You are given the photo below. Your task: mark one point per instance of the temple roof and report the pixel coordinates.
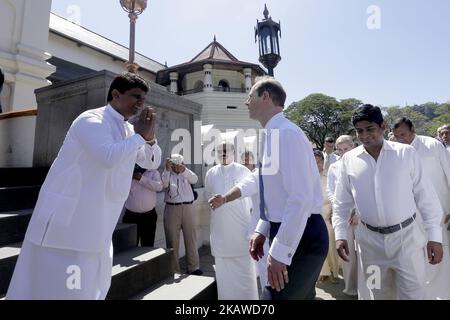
(214, 54)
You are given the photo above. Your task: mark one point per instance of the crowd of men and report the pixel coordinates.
(383, 207)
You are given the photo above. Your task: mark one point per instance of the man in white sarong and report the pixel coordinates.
(67, 251)
(436, 163)
(235, 271)
(248, 187)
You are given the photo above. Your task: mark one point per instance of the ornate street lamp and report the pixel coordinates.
(134, 8)
(269, 49)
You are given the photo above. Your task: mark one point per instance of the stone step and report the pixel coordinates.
(124, 238)
(8, 259)
(16, 177)
(13, 226)
(137, 269)
(18, 198)
(181, 287)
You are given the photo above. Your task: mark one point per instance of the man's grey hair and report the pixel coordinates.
(345, 139)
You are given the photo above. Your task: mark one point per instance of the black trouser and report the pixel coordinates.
(307, 261)
(146, 226)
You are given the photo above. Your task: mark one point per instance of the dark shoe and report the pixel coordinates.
(197, 272)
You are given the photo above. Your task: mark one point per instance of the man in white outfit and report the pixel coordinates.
(248, 187)
(385, 181)
(345, 143)
(436, 163)
(67, 251)
(235, 272)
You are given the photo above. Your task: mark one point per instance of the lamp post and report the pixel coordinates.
(269, 48)
(134, 8)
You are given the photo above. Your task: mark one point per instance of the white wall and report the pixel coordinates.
(17, 141)
(23, 55)
(215, 110)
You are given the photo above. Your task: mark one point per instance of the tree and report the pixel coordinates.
(319, 115)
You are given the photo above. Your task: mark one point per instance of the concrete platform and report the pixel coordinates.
(181, 287)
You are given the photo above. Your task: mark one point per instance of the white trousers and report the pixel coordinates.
(349, 269)
(43, 273)
(393, 264)
(438, 275)
(236, 278)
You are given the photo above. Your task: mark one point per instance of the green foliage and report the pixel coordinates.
(319, 115)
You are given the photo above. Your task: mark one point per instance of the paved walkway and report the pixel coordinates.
(324, 290)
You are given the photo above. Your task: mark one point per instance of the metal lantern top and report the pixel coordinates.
(134, 6)
(266, 32)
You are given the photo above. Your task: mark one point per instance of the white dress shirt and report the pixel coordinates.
(332, 177)
(249, 188)
(292, 186)
(86, 187)
(436, 162)
(178, 186)
(385, 192)
(229, 223)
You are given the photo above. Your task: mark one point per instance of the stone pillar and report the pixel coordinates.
(248, 79)
(173, 82)
(207, 82)
(23, 48)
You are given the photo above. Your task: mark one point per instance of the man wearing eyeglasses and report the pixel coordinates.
(235, 272)
(67, 251)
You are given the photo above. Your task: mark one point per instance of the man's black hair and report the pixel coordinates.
(403, 120)
(318, 153)
(367, 112)
(127, 81)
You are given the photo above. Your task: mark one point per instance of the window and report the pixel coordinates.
(223, 85)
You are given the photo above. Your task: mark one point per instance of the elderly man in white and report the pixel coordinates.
(248, 187)
(436, 162)
(345, 143)
(386, 182)
(70, 232)
(235, 272)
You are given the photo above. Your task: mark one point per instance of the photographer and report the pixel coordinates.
(179, 211)
(140, 205)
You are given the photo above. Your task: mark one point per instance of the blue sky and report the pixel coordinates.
(326, 46)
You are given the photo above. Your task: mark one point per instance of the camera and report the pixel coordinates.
(138, 169)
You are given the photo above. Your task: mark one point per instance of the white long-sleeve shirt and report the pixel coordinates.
(292, 186)
(229, 223)
(385, 192)
(87, 185)
(249, 187)
(178, 186)
(332, 177)
(436, 162)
